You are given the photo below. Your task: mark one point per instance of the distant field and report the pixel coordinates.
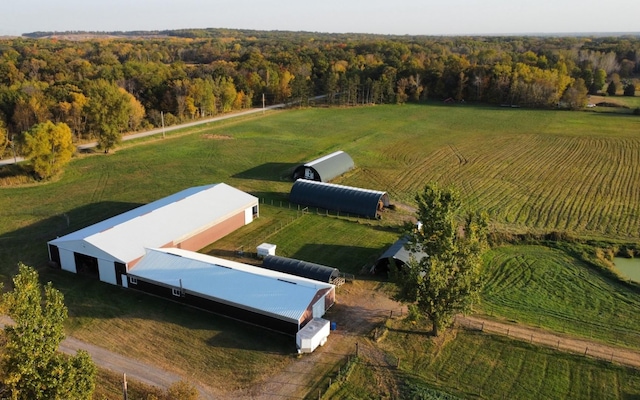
(533, 170)
(540, 286)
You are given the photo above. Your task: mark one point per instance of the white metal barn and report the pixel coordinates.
(190, 219)
(271, 299)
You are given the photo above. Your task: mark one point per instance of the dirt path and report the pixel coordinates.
(553, 340)
(358, 311)
(135, 370)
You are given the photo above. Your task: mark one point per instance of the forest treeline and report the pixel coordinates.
(103, 87)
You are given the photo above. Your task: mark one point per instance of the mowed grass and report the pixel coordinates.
(540, 286)
(533, 170)
(352, 245)
(475, 365)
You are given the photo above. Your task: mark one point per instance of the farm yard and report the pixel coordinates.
(534, 171)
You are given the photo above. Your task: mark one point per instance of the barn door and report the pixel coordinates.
(308, 174)
(121, 274)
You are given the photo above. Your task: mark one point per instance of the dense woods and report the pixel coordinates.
(101, 86)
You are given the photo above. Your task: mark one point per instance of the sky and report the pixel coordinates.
(393, 17)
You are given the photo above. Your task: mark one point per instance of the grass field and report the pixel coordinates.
(533, 170)
(476, 365)
(540, 286)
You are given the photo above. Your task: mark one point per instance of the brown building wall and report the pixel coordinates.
(329, 300)
(212, 234)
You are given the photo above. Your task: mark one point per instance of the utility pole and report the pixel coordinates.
(162, 118)
(124, 386)
(13, 147)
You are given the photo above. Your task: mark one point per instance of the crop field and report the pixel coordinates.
(540, 286)
(476, 365)
(532, 170)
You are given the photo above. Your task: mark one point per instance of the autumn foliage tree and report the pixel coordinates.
(447, 280)
(32, 367)
(49, 147)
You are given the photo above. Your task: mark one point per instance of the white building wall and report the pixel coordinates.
(318, 308)
(248, 215)
(67, 260)
(107, 271)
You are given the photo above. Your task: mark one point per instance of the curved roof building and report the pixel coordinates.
(398, 253)
(301, 268)
(345, 199)
(325, 168)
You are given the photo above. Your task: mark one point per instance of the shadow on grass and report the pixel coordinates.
(29, 243)
(272, 171)
(348, 259)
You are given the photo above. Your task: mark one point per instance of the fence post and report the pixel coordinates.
(482, 328)
(585, 351)
(531, 341)
(508, 329)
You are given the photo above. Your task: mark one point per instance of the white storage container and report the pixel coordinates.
(313, 334)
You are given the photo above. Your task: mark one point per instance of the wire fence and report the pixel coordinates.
(556, 341)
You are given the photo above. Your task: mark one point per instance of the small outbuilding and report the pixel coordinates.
(325, 168)
(270, 299)
(345, 199)
(266, 249)
(190, 219)
(301, 268)
(399, 254)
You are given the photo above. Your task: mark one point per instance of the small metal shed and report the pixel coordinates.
(301, 268)
(397, 252)
(325, 168)
(266, 249)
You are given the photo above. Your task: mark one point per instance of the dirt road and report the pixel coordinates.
(359, 310)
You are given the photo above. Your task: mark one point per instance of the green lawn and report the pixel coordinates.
(539, 286)
(533, 170)
(476, 365)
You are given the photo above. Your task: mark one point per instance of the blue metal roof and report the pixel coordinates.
(253, 288)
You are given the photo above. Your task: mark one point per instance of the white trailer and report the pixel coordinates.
(313, 334)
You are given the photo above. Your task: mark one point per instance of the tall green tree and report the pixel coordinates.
(108, 112)
(447, 280)
(32, 367)
(49, 147)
